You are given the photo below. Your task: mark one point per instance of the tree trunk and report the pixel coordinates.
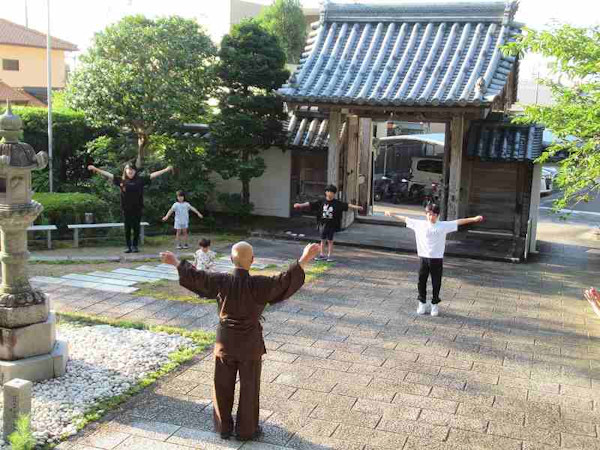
(143, 142)
(246, 192)
(245, 181)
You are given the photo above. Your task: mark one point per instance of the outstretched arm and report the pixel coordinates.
(358, 207)
(396, 216)
(168, 215)
(469, 220)
(104, 173)
(308, 254)
(301, 205)
(196, 211)
(158, 173)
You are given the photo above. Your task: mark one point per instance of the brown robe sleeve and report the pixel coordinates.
(279, 287)
(200, 282)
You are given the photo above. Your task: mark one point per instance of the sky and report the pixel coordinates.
(76, 21)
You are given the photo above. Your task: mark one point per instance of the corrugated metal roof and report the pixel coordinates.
(503, 141)
(411, 53)
(14, 34)
(426, 138)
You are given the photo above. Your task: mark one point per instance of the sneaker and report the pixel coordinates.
(186, 246)
(320, 258)
(135, 249)
(435, 310)
(179, 247)
(422, 309)
(128, 250)
(330, 260)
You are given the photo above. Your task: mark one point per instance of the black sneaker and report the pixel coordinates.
(226, 435)
(128, 250)
(135, 249)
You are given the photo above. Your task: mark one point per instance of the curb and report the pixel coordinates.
(308, 239)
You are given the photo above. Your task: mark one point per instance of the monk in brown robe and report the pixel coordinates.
(239, 345)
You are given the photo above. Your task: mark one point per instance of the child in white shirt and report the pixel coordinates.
(431, 245)
(205, 257)
(182, 209)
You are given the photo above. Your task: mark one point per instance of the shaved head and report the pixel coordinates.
(242, 255)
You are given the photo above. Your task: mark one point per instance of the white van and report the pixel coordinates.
(426, 170)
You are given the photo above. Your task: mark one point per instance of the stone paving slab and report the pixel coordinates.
(115, 281)
(512, 362)
(122, 276)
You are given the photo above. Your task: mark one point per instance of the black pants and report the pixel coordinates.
(435, 267)
(132, 221)
(226, 369)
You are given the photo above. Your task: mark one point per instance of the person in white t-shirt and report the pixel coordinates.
(182, 209)
(431, 245)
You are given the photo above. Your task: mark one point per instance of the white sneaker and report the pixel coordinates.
(435, 311)
(422, 309)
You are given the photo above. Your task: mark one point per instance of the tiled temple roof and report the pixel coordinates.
(502, 141)
(308, 129)
(424, 53)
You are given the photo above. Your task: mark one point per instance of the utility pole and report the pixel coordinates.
(49, 93)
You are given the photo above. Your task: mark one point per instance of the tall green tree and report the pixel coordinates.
(575, 53)
(251, 66)
(144, 75)
(285, 19)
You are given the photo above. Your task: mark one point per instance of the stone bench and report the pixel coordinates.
(81, 226)
(47, 228)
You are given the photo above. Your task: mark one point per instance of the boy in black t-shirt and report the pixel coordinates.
(329, 218)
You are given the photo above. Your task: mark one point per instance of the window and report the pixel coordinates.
(428, 165)
(10, 64)
(2, 185)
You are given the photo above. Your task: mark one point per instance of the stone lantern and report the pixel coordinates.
(28, 346)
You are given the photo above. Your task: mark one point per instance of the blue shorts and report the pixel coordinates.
(327, 232)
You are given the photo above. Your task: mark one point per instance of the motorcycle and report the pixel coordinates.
(431, 194)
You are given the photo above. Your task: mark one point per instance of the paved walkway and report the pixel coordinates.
(123, 280)
(512, 362)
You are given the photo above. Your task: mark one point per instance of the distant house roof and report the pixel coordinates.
(406, 54)
(14, 34)
(17, 96)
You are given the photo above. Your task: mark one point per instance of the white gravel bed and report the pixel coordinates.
(104, 361)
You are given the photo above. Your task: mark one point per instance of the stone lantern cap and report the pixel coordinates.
(12, 152)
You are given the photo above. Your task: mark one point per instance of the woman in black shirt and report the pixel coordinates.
(131, 184)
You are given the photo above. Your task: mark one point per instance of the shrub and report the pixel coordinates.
(234, 206)
(22, 438)
(62, 209)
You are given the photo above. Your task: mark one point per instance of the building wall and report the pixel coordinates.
(223, 14)
(32, 67)
(269, 193)
(241, 10)
(216, 19)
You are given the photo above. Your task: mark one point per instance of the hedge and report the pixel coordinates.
(62, 209)
(70, 135)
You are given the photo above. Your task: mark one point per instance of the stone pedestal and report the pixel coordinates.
(37, 368)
